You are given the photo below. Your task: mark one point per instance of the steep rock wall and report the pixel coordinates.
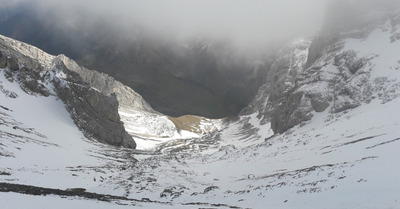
(94, 112)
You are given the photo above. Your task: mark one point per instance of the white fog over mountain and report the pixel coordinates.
(246, 22)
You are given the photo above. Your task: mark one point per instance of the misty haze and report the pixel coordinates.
(199, 104)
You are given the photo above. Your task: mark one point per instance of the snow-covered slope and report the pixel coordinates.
(41, 146)
(47, 137)
(342, 155)
(335, 143)
(38, 138)
(327, 163)
(339, 161)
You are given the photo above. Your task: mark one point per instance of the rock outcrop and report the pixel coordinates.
(91, 98)
(107, 85)
(95, 113)
(277, 100)
(335, 72)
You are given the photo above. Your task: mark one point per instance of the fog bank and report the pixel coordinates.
(253, 22)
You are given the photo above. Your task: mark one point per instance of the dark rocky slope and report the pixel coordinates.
(40, 74)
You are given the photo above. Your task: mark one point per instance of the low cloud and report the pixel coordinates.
(246, 22)
(252, 22)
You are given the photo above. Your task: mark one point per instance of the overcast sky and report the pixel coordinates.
(245, 21)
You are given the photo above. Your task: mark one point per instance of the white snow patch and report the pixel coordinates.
(386, 62)
(150, 130)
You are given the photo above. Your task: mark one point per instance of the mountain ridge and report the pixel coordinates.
(38, 73)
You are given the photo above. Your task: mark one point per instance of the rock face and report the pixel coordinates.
(91, 98)
(107, 85)
(96, 114)
(277, 100)
(334, 72)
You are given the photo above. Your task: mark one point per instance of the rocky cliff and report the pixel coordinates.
(336, 71)
(107, 85)
(277, 100)
(91, 98)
